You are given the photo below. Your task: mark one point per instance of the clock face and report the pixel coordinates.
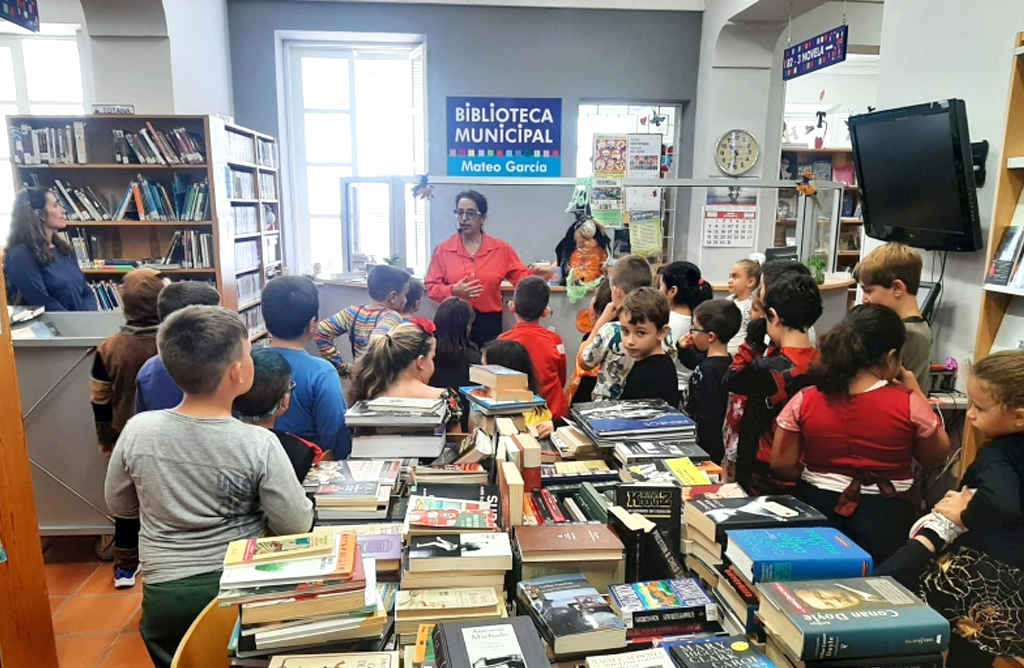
(736, 152)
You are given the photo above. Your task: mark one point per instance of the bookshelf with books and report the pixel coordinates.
(189, 195)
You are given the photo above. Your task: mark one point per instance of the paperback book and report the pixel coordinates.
(628, 452)
(718, 652)
(490, 643)
(466, 551)
(620, 419)
(713, 517)
(571, 615)
(663, 607)
(795, 553)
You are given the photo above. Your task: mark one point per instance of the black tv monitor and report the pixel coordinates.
(916, 174)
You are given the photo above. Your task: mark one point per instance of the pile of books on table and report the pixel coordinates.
(353, 490)
(308, 591)
(608, 423)
(397, 428)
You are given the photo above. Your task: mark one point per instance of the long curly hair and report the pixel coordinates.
(28, 229)
(862, 340)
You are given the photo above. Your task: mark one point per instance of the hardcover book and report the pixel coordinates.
(611, 419)
(738, 595)
(466, 551)
(490, 643)
(663, 607)
(850, 618)
(777, 653)
(498, 377)
(795, 553)
(571, 615)
(713, 517)
(661, 504)
(717, 652)
(629, 452)
(586, 542)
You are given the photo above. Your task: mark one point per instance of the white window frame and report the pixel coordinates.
(290, 47)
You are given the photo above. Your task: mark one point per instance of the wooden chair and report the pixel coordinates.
(205, 644)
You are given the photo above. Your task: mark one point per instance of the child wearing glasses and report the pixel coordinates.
(267, 400)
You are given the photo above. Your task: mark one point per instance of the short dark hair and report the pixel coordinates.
(478, 199)
(531, 298)
(646, 305)
(415, 293)
(796, 299)
(862, 340)
(270, 381)
(691, 289)
(631, 272)
(720, 316)
(177, 296)
(384, 279)
(289, 303)
(197, 344)
(513, 355)
(774, 270)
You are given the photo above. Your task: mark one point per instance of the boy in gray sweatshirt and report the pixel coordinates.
(197, 478)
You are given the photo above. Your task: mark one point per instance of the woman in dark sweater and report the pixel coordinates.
(40, 266)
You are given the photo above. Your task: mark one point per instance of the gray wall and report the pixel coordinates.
(494, 51)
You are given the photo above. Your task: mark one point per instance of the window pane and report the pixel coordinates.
(7, 91)
(324, 187)
(325, 83)
(370, 219)
(52, 70)
(58, 109)
(325, 244)
(384, 109)
(5, 147)
(328, 138)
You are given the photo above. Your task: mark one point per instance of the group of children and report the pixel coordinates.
(836, 422)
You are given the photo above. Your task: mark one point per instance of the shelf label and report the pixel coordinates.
(504, 136)
(816, 53)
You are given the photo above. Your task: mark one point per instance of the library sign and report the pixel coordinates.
(816, 53)
(504, 136)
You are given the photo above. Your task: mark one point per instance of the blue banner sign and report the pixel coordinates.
(23, 12)
(504, 136)
(816, 53)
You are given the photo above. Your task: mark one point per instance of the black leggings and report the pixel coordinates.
(126, 543)
(879, 525)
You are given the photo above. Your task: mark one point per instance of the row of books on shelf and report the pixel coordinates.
(1006, 268)
(268, 186)
(55, 145)
(253, 320)
(247, 255)
(248, 288)
(267, 153)
(240, 148)
(246, 220)
(142, 200)
(108, 295)
(150, 146)
(240, 185)
(191, 249)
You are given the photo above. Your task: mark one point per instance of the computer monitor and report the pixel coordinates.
(780, 253)
(927, 295)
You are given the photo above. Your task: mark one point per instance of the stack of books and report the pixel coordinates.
(663, 607)
(490, 643)
(608, 423)
(396, 427)
(499, 391)
(415, 607)
(572, 617)
(352, 490)
(472, 474)
(592, 550)
(312, 590)
(569, 502)
(828, 622)
(451, 560)
(633, 452)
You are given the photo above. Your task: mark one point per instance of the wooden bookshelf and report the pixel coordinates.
(229, 150)
(996, 300)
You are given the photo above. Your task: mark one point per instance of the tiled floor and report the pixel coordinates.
(96, 625)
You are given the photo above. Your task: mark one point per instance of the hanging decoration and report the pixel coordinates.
(422, 189)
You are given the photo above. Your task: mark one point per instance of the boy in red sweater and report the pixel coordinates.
(530, 304)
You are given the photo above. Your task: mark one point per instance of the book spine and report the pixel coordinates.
(80, 142)
(916, 630)
(781, 570)
(657, 631)
(929, 661)
(552, 503)
(667, 556)
(651, 620)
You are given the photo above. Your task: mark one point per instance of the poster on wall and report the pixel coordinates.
(644, 156)
(643, 216)
(504, 136)
(815, 53)
(606, 202)
(610, 154)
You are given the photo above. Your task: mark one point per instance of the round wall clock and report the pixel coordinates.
(736, 152)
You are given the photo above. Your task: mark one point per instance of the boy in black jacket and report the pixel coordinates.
(715, 322)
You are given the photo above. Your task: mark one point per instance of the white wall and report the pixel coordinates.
(200, 57)
(934, 49)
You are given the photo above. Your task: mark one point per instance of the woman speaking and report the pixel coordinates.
(40, 266)
(471, 266)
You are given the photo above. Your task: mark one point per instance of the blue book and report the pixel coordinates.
(850, 618)
(716, 652)
(477, 395)
(798, 553)
(608, 419)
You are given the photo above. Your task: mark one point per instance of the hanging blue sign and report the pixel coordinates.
(504, 136)
(23, 12)
(816, 53)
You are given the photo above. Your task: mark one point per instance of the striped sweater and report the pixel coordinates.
(360, 322)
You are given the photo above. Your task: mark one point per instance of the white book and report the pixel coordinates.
(286, 572)
(459, 551)
(80, 142)
(405, 404)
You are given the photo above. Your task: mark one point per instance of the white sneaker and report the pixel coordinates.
(946, 528)
(124, 578)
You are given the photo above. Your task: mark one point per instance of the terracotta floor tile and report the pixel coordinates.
(55, 603)
(64, 579)
(128, 652)
(83, 651)
(133, 623)
(96, 614)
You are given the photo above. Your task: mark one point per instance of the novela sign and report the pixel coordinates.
(504, 136)
(816, 53)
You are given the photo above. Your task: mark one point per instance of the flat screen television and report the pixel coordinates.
(915, 171)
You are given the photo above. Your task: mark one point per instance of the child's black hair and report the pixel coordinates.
(861, 341)
(384, 279)
(646, 305)
(796, 299)
(602, 297)
(774, 270)
(512, 355)
(691, 289)
(271, 377)
(289, 303)
(719, 316)
(452, 319)
(531, 298)
(414, 296)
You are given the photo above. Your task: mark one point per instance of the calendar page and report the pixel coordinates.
(730, 225)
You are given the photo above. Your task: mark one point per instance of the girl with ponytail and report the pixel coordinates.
(400, 364)
(851, 438)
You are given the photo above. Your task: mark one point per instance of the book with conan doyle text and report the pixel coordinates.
(795, 553)
(850, 618)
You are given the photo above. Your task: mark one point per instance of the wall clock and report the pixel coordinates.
(736, 152)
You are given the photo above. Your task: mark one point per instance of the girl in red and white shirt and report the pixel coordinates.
(851, 439)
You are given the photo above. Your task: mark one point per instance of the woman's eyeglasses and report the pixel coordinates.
(459, 213)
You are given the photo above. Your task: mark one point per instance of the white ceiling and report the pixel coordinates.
(651, 5)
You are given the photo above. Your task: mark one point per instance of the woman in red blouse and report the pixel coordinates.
(471, 266)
